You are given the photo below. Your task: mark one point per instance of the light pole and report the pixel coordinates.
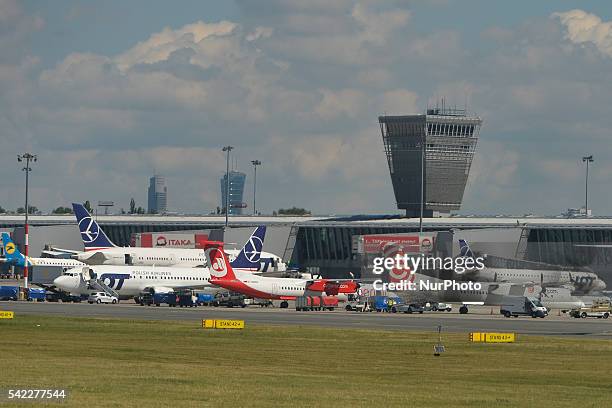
(255, 164)
(587, 160)
(422, 183)
(28, 157)
(227, 149)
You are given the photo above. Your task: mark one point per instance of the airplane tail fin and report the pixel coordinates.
(11, 252)
(464, 249)
(250, 254)
(92, 235)
(218, 264)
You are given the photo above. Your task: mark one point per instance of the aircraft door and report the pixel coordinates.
(129, 258)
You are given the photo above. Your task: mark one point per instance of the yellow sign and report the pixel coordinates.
(6, 315)
(9, 248)
(492, 337)
(222, 324)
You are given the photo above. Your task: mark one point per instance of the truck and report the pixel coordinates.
(229, 300)
(9, 292)
(169, 298)
(305, 303)
(385, 303)
(36, 294)
(514, 306)
(205, 299)
(258, 302)
(52, 296)
(601, 310)
(358, 304)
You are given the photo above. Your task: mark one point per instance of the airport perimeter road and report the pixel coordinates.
(552, 325)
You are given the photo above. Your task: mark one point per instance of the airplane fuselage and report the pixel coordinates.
(130, 281)
(582, 282)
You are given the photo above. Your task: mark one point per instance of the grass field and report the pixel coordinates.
(108, 362)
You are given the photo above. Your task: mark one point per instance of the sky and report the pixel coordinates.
(108, 93)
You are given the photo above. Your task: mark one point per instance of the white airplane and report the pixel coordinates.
(131, 281)
(100, 250)
(578, 282)
(16, 258)
(224, 275)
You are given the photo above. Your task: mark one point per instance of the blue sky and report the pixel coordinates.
(108, 92)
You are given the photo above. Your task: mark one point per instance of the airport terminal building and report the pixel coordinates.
(325, 244)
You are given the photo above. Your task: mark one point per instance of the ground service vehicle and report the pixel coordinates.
(101, 297)
(442, 307)
(384, 303)
(316, 303)
(9, 292)
(601, 310)
(35, 294)
(63, 296)
(169, 298)
(187, 300)
(358, 305)
(522, 306)
(205, 299)
(411, 308)
(258, 302)
(229, 300)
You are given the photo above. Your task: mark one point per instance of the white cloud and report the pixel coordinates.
(399, 102)
(378, 26)
(160, 45)
(349, 102)
(582, 27)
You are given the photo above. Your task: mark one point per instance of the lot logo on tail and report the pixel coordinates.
(464, 249)
(92, 235)
(10, 248)
(89, 230)
(250, 254)
(252, 249)
(218, 268)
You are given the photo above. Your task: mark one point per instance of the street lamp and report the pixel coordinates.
(27, 157)
(255, 164)
(227, 149)
(587, 160)
(421, 209)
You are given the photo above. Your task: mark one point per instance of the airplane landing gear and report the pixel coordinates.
(284, 304)
(463, 309)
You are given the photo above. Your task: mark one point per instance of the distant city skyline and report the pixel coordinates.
(104, 99)
(237, 181)
(158, 195)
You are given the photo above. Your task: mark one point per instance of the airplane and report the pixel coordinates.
(100, 250)
(14, 257)
(489, 294)
(223, 274)
(131, 281)
(579, 282)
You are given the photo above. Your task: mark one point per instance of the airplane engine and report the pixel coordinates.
(159, 289)
(334, 288)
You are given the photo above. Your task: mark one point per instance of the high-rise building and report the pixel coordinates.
(437, 147)
(236, 185)
(158, 195)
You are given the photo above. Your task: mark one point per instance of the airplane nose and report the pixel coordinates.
(62, 282)
(599, 284)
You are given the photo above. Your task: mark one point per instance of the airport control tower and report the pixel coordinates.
(438, 148)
